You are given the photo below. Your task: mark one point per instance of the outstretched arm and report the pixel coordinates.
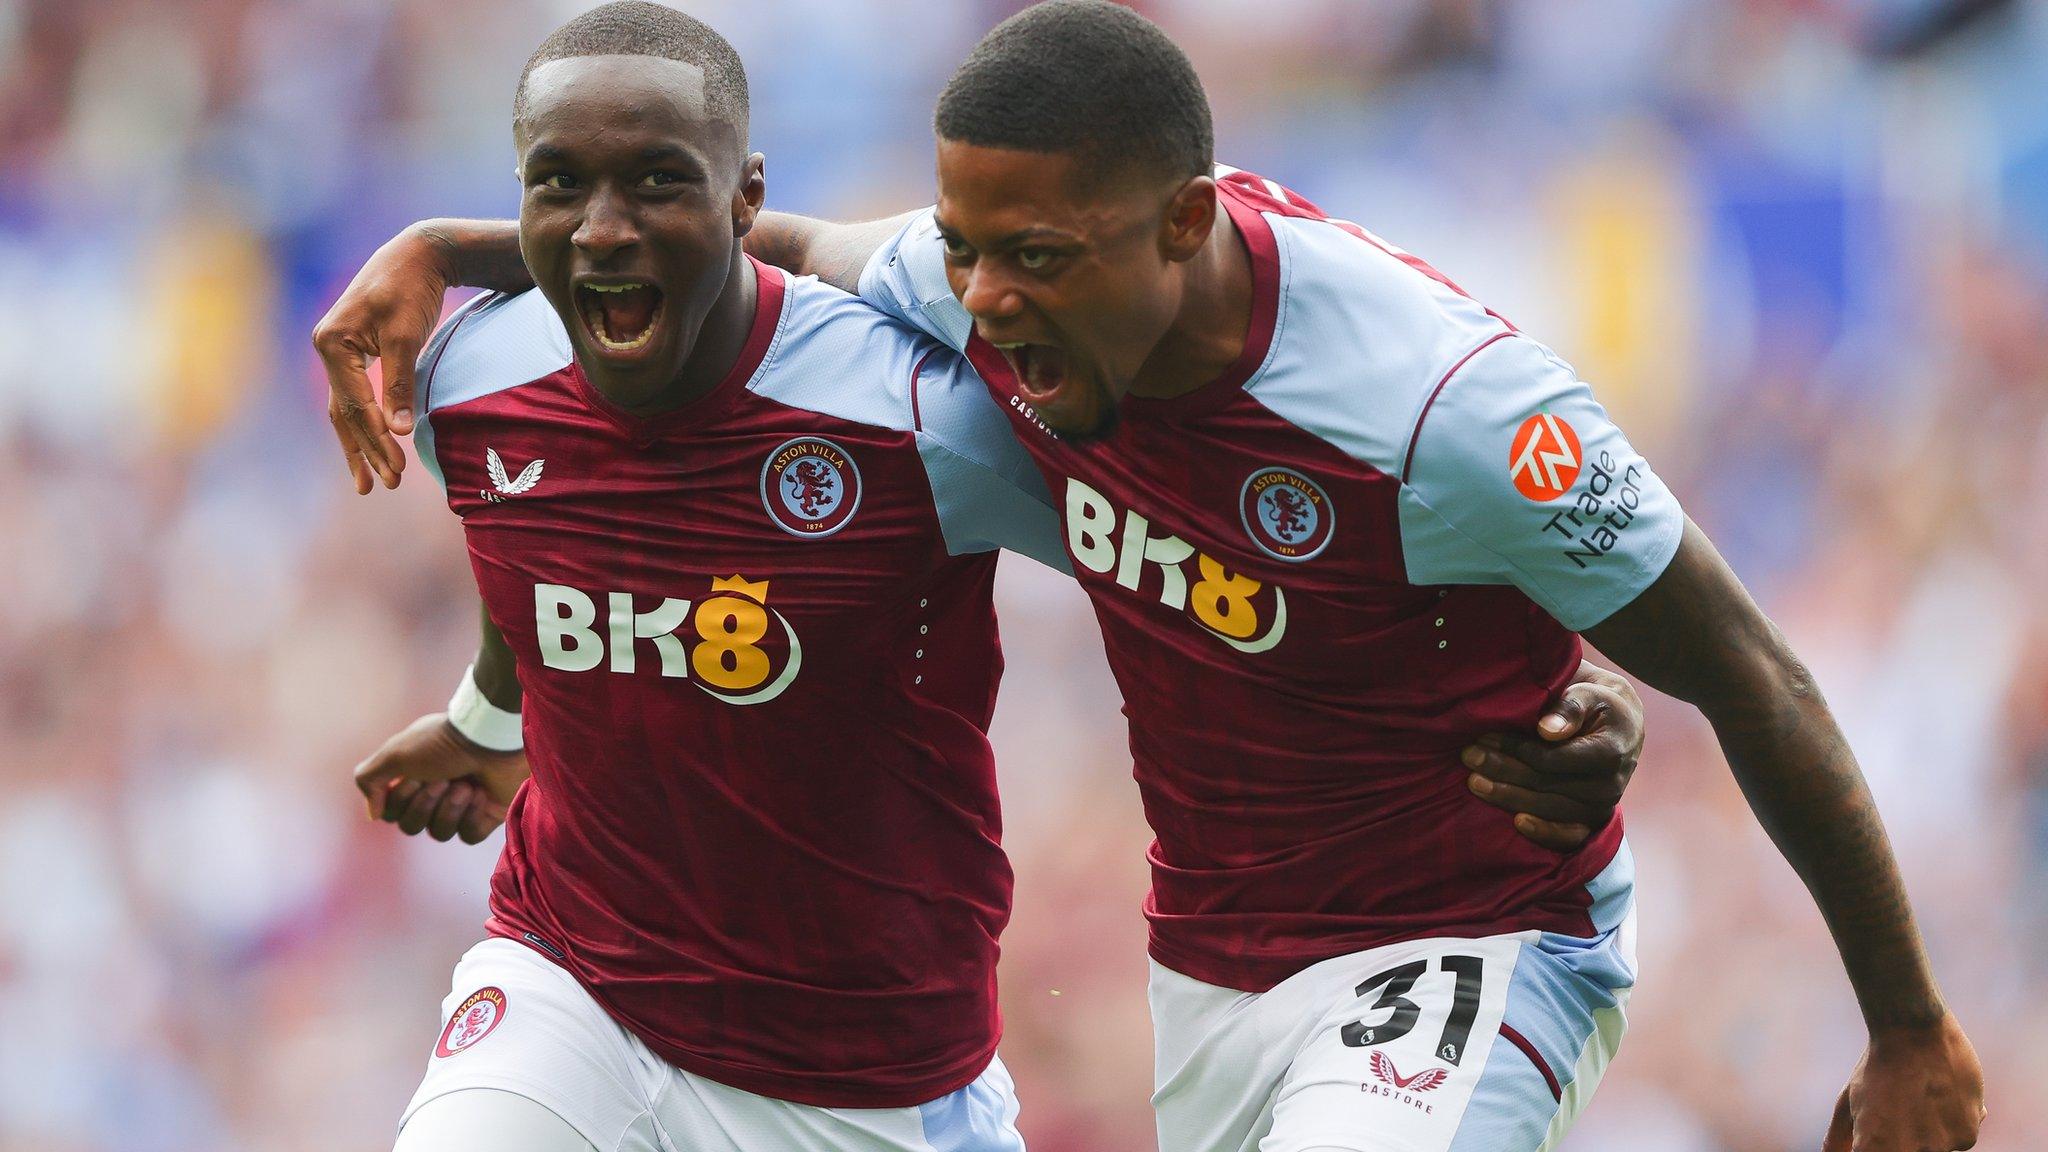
(1696, 634)
(834, 253)
(390, 308)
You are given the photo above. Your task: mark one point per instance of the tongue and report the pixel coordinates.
(1044, 370)
(627, 314)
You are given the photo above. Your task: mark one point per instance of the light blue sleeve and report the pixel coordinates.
(907, 279)
(1516, 475)
(988, 492)
(492, 342)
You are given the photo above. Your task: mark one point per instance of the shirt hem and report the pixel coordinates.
(1263, 973)
(813, 1089)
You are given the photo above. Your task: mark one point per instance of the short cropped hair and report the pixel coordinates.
(1083, 77)
(637, 28)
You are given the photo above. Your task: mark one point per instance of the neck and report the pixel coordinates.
(719, 341)
(1213, 323)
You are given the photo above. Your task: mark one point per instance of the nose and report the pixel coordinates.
(989, 296)
(607, 227)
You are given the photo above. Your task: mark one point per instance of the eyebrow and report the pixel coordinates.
(1037, 232)
(659, 152)
(652, 154)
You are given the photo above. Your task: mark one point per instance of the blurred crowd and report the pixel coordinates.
(1799, 246)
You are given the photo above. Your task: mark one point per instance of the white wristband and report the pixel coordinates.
(481, 722)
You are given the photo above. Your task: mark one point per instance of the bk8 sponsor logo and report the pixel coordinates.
(1244, 613)
(724, 657)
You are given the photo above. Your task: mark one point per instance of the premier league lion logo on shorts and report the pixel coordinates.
(810, 487)
(1287, 515)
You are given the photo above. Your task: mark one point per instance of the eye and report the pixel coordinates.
(560, 182)
(956, 248)
(660, 180)
(1034, 259)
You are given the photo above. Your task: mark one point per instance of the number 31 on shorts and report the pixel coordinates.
(1395, 983)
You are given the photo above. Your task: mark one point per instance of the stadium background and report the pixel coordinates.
(1797, 244)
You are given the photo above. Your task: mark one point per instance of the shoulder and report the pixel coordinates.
(1363, 332)
(839, 356)
(492, 343)
(906, 278)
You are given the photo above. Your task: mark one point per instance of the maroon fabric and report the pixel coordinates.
(1308, 800)
(1536, 1058)
(798, 897)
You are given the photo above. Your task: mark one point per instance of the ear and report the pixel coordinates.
(1190, 217)
(751, 194)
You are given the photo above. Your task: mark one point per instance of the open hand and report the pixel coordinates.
(388, 313)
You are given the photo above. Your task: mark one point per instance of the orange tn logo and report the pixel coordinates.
(1544, 459)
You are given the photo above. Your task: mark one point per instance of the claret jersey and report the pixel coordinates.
(1322, 574)
(759, 659)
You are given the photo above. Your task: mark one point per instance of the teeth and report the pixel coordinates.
(615, 287)
(615, 346)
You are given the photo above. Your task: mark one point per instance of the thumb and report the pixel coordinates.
(375, 779)
(1563, 719)
(398, 388)
(1842, 1129)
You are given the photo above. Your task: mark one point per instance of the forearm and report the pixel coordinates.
(497, 674)
(477, 253)
(1796, 770)
(834, 253)
(1697, 635)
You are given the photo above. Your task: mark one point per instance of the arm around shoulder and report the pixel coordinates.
(834, 253)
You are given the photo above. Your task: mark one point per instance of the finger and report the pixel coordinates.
(1566, 715)
(399, 799)
(1841, 1130)
(375, 783)
(358, 467)
(1545, 805)
(421, 808)
(483, 819)
(448, 815)
(1601, 784)
(352, 404)
(1554, 836)
(1600, 750)
(399, 360)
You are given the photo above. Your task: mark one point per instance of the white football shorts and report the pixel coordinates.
(1440, 1045)
(517, 1023)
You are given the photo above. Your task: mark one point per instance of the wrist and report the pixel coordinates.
(482, 723)
(1915, 1020)
(436, 243)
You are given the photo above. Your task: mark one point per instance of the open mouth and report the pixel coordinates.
(620, 317)
(1041, 370)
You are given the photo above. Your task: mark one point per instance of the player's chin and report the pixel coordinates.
(1080, 412)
